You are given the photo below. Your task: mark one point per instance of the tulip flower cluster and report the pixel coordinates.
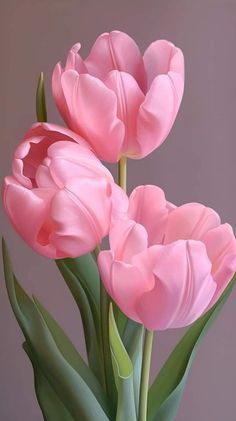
(167, 265)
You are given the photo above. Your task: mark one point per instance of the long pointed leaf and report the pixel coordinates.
(69, 386)
(51, 406)
(90, 330)
(166, 391)
(86, 271)
(123, 372)
(71, 354)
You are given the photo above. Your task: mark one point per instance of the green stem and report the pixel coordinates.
(108, 380)
(147, 353)
(104, 304)
(122, 172)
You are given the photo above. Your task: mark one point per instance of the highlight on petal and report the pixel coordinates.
(116, 51)
(190, 221)
(220, 243)
(93, 111)
(183, 286)
(148, 207)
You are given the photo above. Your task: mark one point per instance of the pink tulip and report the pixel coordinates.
(121, 102)
(167, 265)
(60, 196)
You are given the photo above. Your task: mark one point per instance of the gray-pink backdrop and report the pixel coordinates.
(196, 163)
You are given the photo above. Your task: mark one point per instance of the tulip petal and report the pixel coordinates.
(183, 287)
(162, 57)
(190, 221)
(116, 51)
(28, 212)
(74, 61)
(129, 98)
(127, 238)
(127, 286)
(68, 160)
(93, 111)
(58, 94)
(157, 114)
(34, 148)
(120, 203)
(148, 207)
(54, 132)
(105, 261)
(221, 249)
(86, 204)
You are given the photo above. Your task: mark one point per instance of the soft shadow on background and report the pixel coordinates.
(196, 163)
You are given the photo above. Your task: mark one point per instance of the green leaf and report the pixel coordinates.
(121, 358)
(166, 391)
(133, 342)
(123, 372)
(51, 406)
(41, 110)
(71, 354)
(67, 383)
(120, 318)
(91, 330)
(85, 269)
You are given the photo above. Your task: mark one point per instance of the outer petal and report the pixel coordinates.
(74, 61)
(148, 206)
(29, 213)
(157, 113)
(127, 286)
(221, 249)
(58, 94)
(127, 238)
(105, 261)
(34, 148)
(67, 160)
(120, 203)
(93, 112)
(116, 51)
(162, 57)
(81, 215)
(190, 221)
(129, 98)
(55, 132)
(164, 66)
(183, 288)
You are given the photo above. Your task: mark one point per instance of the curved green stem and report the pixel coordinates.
(122, 172)
(147, 353)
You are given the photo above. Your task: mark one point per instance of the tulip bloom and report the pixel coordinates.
(121, 102)
(60, 196)
(167, 265)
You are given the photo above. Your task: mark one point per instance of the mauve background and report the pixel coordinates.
(196, 163)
